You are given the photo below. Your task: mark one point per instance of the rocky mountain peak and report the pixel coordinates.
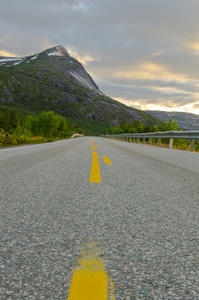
(57, 51)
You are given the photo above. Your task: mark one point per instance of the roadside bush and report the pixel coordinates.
(182, 144)
(196, 147)
(5, 138)
(2, 136)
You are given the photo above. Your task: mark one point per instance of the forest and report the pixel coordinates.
(15, 128)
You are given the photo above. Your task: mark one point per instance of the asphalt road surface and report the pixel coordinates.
(140, 220)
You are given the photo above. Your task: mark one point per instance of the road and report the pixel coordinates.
(139, 224)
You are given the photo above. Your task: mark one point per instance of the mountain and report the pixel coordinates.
(53, 80)
(187, 121)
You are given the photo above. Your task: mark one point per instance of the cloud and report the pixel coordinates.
(5, 53)
(136, 50)
(83, 59)
(194, 46)
(148, 70)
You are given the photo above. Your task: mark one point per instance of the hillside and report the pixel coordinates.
(53, 80)
(187, 121)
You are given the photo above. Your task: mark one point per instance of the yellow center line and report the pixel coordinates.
(107, 160)
(90, 280)
(93, 147)
(95, 169)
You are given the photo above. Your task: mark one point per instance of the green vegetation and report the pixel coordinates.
(138, 127)
(15, 128)
(90, 126)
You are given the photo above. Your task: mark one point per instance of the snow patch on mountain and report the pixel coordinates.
(54, 54)
(57, 51)
(34, 57)
(17, 63)
(9, 59)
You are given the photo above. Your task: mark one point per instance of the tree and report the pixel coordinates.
(35, 125)
(18, 129)
(63, 127)
(139, 125)
(49, 123)
(27, 126)
(118, 130)
(132, 130)
(171, 126)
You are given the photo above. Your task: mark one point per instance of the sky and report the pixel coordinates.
(143, 53)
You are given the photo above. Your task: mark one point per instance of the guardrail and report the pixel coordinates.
(77, 135)
(188, 135)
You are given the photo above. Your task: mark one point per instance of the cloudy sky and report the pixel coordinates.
(144, 53)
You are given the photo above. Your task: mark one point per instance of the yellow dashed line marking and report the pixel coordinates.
(93, 147)
(107, 160)
(97, 146)
(90, 281)
(111, 289)
(95, 169)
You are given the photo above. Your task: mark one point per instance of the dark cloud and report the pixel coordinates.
(141, 49)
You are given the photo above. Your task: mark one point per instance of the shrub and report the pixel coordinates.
(2, 136)
(5, 138)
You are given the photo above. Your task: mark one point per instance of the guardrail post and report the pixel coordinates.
(192, 145)
(171, 143)
(134, 139)
(159, 142)
(138, 140)
(150, 141)
(144, 140)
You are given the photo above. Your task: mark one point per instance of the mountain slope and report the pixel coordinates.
(187, 121)
(53, 80)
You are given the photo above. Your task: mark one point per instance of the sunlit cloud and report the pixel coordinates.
(156, 53)
(139, 104)
(169, 90)
(194, 46)
(130, 103)
(85, 59)
(6, 53)
(150, 71)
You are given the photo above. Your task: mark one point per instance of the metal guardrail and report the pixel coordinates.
(188, 135)
(77, 135)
